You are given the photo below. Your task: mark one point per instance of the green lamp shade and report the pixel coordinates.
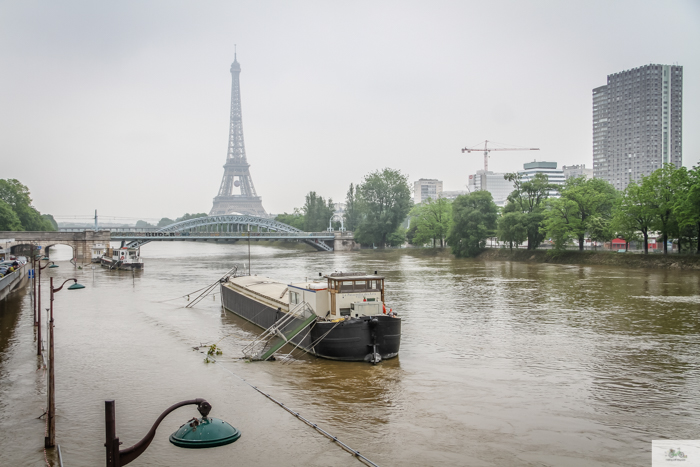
(204, 433)
(53, 266)
(45, 257)
(76, 286)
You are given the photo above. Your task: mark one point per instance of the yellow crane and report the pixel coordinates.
(487, 150)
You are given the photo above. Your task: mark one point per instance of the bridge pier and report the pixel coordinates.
(81, 242)
(344, 241)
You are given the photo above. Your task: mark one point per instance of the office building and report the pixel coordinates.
(426, 188)
(554, 175)
(573, 171)
(494, 183)
(637, 123)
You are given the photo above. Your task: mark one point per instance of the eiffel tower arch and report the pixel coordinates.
(237, 194)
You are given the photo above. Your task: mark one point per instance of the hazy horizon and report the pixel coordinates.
(124, 108)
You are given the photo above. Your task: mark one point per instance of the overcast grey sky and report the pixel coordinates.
(124, 106)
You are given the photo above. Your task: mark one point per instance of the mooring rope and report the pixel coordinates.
(335, 439)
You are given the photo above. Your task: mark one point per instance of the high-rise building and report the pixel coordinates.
(637, 123)
(426, 188)
(573, 171)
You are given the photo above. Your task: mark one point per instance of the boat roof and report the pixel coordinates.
(352, 276)
(262, 285)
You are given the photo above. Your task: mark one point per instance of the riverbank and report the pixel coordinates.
(606, 258)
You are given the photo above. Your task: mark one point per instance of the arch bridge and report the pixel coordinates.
(80, 241)
(232, 228)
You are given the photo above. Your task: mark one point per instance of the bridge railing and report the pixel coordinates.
(131, 234)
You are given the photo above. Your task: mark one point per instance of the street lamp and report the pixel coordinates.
(50, 440)
(204, 432)
(38, 309)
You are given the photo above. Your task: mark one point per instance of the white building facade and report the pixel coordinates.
(426, 188)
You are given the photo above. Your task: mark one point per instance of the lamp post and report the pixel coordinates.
(50, 440)
(205, 432)
(38, 309)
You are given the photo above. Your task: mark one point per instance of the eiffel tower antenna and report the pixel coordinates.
(237, 194)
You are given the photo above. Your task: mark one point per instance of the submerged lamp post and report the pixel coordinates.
(50, 440)
(205, 432)
(38, 309)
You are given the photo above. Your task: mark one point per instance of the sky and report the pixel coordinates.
(124, 106)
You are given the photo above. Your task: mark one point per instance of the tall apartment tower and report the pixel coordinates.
(637, 123)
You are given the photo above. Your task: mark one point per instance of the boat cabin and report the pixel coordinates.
(124, 254)
(341, 295)
(98, 250)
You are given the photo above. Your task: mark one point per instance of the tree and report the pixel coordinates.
(317, 212)
(8, 219)
(352, 210)
(686, 206)
(144, 225)
(384, 199)
(561, 221)
(17, 196)
(432, 220)
(600, 228)
(634, 212)
(661, 187)
(296, 219)
(165, 222)
(592, 197)
(474, 220)
(512, 228)
(48, 218)
(529, 198)
(189, 216)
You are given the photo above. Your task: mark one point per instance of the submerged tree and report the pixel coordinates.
(473, 221)
(384, 199)
(432, 220)
(528, 198)
(512, 228)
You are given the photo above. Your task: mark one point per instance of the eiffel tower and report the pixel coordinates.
(237, 193)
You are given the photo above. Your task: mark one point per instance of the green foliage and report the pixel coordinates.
(634, 213)
(164, 222)
(592, 197)
(432, 220)
(474, 220)
(686, 206)
(17, 197)
(189, 216)
(561, 222)
(384, 200)
(352, 210)
(317, 212)
(49, 218)
(296, 219)
(8, 219)
(600, 228)
(512, 228)
(144, 225)
(529, 198)
(397, 237)
(661, 187)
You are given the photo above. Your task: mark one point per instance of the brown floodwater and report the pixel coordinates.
(501, 363)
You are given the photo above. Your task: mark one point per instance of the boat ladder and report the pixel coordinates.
(280, 333)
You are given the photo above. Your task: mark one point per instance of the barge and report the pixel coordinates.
(340, 316)
(122, 258)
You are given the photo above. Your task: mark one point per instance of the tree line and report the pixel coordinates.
(667, 202)
(374, 210)
(17, 212)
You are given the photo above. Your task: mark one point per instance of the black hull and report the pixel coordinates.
(351, 340)
(124, 266)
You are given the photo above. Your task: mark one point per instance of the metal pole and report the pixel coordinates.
(249, 250)
(38, 313)
(112, 442)
(36, 320)
(50, 440)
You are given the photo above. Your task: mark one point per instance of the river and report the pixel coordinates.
(501, 363)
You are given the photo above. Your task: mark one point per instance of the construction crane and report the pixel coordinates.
(487, 150)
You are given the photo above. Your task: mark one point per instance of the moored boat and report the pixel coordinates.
(97, 252)
(341, 316)
(122, 258)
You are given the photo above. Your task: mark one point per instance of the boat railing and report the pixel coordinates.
(260, 344)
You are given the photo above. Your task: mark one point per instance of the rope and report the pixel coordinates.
(335, 439)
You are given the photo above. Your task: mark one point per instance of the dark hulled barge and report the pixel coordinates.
(339, 317)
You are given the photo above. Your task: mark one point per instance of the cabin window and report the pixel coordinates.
(370, 299)
(293, 298)
(345, 312)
